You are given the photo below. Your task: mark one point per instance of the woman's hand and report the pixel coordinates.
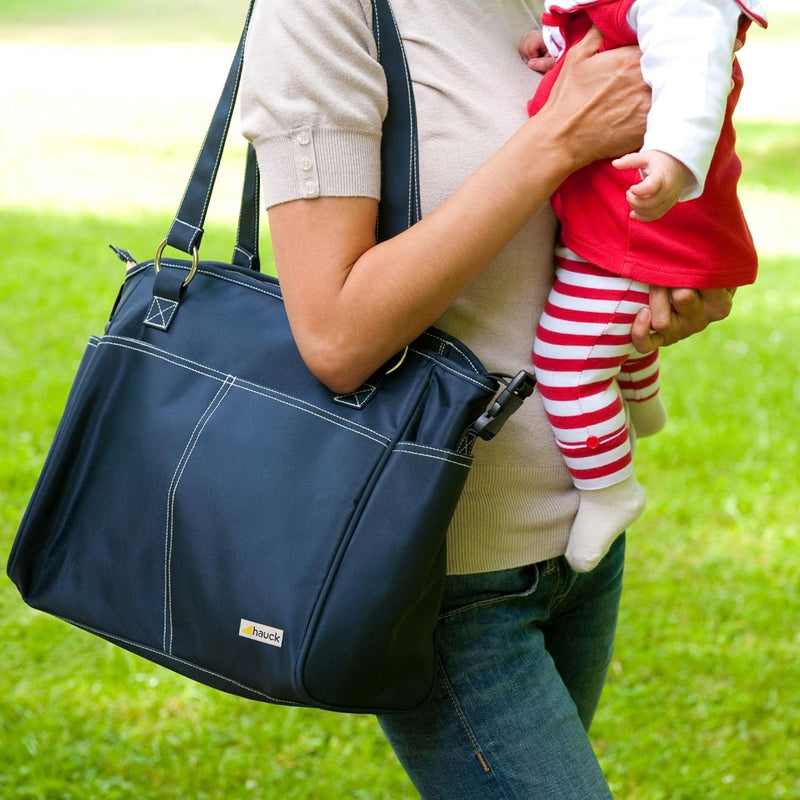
(675, 314)
(598, 105)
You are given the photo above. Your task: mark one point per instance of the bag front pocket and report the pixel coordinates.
(259, 532)
(374, 633)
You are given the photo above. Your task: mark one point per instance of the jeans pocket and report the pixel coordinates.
(466, 592)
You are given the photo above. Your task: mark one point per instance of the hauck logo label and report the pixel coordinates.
(261, 633)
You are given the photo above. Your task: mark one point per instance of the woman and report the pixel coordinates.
(524, 642)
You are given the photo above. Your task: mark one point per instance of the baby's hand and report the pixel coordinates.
(534, 52)
(663, 181)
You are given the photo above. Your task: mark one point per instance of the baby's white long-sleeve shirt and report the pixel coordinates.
(687, 56)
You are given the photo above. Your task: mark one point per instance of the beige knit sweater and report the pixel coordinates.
(313, 98)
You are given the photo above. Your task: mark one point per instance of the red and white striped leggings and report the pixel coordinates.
(585, 362)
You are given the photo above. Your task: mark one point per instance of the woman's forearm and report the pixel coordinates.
(354, 304)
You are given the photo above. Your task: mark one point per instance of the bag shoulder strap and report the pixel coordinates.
(399, 205)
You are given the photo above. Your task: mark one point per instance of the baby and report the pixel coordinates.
(666, 216)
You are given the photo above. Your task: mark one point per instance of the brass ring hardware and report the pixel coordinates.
(399, 362)
(192, 270)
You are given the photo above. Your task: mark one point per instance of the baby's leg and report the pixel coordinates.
(582, 340)
(638, 381)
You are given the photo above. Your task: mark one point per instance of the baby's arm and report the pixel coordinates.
(687, 51)
(664, 179)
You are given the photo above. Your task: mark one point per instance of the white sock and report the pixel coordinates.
(647, 416)
(603, 515)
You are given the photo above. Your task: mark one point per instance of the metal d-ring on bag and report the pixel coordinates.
(209, 505)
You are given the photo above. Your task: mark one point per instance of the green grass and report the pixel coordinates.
(703, 693)
(79, 718)
(707, 676)
(770, 153)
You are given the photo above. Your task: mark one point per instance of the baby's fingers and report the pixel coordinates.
(648, 186)
(630, 161)
(541, 63)
(643, 209)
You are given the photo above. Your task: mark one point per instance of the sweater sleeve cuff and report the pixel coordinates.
(308, 162)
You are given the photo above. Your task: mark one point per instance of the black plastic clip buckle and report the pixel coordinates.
(505, 404)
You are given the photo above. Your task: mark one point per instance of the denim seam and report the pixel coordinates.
(470, 734)
(485, 603)
(559, 596)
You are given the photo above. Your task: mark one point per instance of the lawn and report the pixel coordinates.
(703, 694)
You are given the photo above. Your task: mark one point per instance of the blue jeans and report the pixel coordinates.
(523, 656)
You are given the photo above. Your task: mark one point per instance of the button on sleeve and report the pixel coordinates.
(305, 161)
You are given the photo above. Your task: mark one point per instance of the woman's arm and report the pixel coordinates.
(353, 304)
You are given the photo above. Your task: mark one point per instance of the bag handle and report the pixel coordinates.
(245, 252)
(399, 205)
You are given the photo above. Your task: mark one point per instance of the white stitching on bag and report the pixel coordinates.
(180, 468)
(140, 646)
(278, 397)
(160, 313)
